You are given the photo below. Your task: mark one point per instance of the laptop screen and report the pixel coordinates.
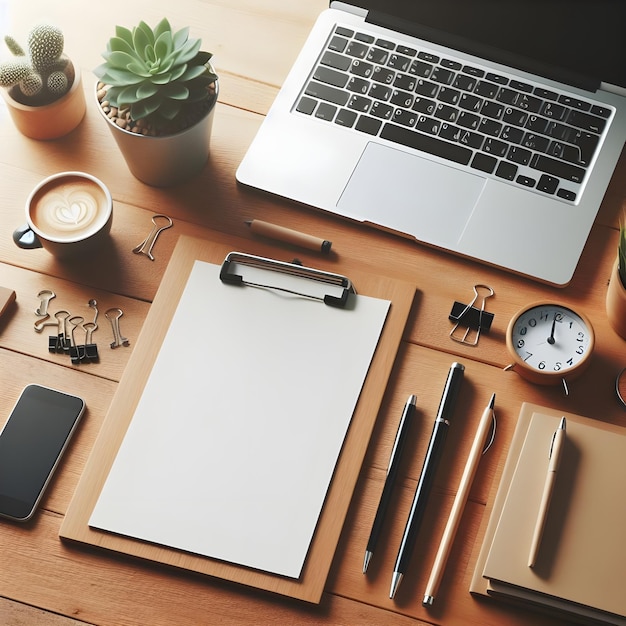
(576, 41)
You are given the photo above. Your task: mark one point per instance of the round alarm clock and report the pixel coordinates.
(549, 342)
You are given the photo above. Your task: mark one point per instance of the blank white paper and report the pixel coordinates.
(234, 441)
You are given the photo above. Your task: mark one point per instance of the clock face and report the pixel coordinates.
(551, 339)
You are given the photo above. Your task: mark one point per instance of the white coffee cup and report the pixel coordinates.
(67, 213)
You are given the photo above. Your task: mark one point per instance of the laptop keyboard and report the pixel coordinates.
(505, 128)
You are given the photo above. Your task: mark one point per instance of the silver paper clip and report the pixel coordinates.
(469, 317)
(145, 247)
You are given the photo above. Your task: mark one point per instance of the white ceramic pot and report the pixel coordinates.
(166, 160)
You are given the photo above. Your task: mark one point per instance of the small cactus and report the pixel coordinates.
(42, 74)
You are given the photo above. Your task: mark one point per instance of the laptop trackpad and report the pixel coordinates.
(411, 195)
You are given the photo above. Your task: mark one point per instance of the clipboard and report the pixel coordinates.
(310, 584)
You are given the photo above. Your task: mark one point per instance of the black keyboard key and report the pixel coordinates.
(405, 81)
(564, 152)
(515, 117)
(306, 105)
(548, 184)
(464, 82)
(410, 52)
(587, 143)
(563, 170)
(346, 118)
(470, 102)
(377, 55)
(356, 49)
(345, 32)
(494, 146)
(545, 94)
(446, 112)
(600, 111)
(426, 88)
(492, 109)
(468, 120)
(383, 75)
(365, 37)
(326, 111)
(338, 61)
(520, 86)
(506, 170)
(442, 75)
(538, 143)
(497, 78)
(368, 125)
(473, 71)
(450, 64)
(484, 162)
(399, 62)
(388, 45)
(421, 69)
(512, 134)
(537, 124)
(508, 96)
(526, 181)
(402, 98)
(490, 127)
(406, 118)
(529, 103)
(428, 56)
(359, 103)
(557, 131)
(338, 44)
(426, 143)
(424, 105)
(470, 139)
(574, 103)
(361, 68)
(326, 92)
(358, 85)
(381, 110)
(427, 125)
(566, 194)
(486, 89)
(554, 111)
(449, 95)
(585, 121)
(330, 76)
(380, 92)
(519, 155)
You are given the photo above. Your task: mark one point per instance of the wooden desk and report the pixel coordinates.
(45, 581)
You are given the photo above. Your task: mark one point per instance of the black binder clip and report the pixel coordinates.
(468, 318)
(291, 278)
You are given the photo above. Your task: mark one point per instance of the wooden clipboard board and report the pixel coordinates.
(310, 585)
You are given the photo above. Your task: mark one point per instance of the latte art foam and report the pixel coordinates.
(69, 208)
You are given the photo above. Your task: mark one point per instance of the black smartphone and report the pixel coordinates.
(31, 445)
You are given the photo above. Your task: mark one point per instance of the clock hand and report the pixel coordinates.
(551, 339)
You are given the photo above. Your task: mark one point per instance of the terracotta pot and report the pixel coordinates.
(616, 304)
(49, 121)
(165, 160)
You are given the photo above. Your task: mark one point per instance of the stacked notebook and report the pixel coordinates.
(581, 565)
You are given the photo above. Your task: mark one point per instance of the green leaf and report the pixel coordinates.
(170, 109)
(142, 38)
(146, 90)
(118, 44)
(162, 79)
(124, 33)
(175, 91)
(162, 27)
(181, 37)
(144, 108)
(121, 59)
(188, 51)
(192, 72)
(119, 77)
(139, 68)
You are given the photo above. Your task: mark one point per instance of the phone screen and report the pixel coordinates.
(31, 444)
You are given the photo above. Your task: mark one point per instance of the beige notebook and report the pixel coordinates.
(582, 559)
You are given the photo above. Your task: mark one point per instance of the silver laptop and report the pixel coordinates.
(487, 128)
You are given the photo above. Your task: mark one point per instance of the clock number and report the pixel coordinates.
(581, 336)
(580, 349)
(532, 322)
(542, 365)
(521, 343)
(557, 366)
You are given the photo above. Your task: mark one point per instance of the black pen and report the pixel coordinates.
(392, 472)
(424, 484)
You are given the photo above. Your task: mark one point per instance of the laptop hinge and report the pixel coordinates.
(483, 51)
(348, 8)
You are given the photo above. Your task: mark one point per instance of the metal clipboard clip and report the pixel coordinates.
(291, 278)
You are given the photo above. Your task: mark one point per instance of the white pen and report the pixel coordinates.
(556, 452)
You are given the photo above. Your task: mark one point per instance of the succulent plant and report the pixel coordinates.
(155, 73)
(42, 73)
